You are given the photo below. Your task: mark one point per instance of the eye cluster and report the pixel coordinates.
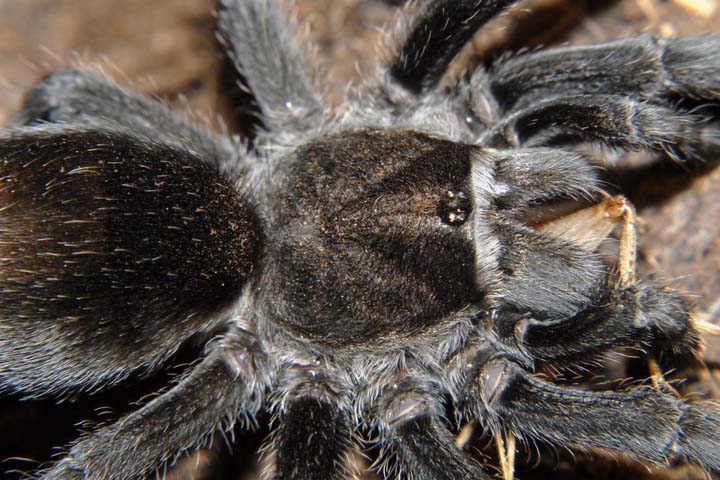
(373, 276)
(455, 207)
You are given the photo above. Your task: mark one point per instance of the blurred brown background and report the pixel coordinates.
(167, 48)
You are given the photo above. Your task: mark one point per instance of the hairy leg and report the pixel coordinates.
(527, 177)
(276, 70)
(640, 421)
(313, 436)
(226, 387)
(439, 30)
(643, 316)
(641, 67)
(82, 99)
(625, 312)
(607, 119)
(415, 442)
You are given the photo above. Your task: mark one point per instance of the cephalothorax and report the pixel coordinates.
(355, 273)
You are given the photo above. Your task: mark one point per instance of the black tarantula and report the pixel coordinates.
(358, 273)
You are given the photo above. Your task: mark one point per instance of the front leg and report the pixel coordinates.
(313, 437)
(228, 385)
(613, 120)
(84, 100)
(641, 421)
(278, 72)
(439, 31)
(659, 70)
(652, 319)
(621, 312)
(413, 438)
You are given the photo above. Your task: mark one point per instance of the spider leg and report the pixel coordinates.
(414, 440)
(227, 385)
(643, 316)
(541, 306)
(312, 441)
(439, 30)
(608, 119)
(526, 177)
(528, 262)
(275, 69)
(674, 349)
(642, 67)
(641, 421)
(82, 99)
(313, 437)
(629, 312)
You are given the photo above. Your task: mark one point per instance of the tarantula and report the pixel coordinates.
(357, 272)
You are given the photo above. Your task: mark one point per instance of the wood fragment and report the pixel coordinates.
(465, 435)
(589, 227)
(658, 379)
(506, 451)
(703, 325)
